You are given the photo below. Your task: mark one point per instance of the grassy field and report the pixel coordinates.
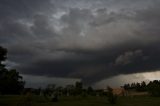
(78, 101)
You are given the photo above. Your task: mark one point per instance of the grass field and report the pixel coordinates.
(78, 101)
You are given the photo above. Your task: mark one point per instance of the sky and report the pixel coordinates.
(95, 41)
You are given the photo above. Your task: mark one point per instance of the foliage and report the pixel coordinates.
(90, 90)
(140, 87)
(154, 88)
(10, 80)
(78, 88)
(112, 98)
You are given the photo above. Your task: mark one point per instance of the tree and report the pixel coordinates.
(10, 80)
(3, 53)
(143, 86)
(78, 88)
(127, 86)
(112, 98)
(138, 86)
(79, 85)
(154, 88)
(90, 90)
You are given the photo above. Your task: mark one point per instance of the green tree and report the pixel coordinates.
(10, 80)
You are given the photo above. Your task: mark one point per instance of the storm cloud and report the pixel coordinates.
(89, 39)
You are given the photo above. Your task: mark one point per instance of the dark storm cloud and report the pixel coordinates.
(91, 40)
(23, 8)
(128, 57)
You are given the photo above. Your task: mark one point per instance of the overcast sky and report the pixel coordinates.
(88, 40)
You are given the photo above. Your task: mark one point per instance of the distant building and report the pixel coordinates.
(118, 91)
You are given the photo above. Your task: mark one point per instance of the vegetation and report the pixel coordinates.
(153, 87)
(112, 98)
(10, 80)
(137, 86)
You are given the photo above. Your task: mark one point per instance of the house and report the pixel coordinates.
(118, 91)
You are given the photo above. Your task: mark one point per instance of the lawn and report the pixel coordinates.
(78, 101)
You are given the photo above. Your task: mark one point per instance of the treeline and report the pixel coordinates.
(136, 86)
(153, 87)
(53, 92)
(76, 89)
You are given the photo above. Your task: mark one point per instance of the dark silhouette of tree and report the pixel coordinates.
(112, 98)
(79, 85)
(133, 85)
(143, 86)
(10, 80)
(127, 86)
(90, 90)
(78, 88)
(136, 86)
(154, 88)
(3, 54)
(69, 90)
